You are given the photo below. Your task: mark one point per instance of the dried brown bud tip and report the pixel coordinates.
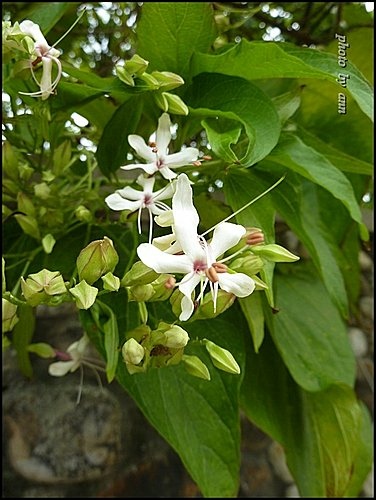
(170, 283)
(207, 157)
(197, 163)
(220, 268)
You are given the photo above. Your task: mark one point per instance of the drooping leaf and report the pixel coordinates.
(309, 332)
(324, 434)
(220, 96)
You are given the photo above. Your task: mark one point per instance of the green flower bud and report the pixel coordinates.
(83, 214)
(124, 75)
(136, 65)
(206, 308)
(139, 274)
(222, 358)
(40, 287)
(140, 293)
(29, 225)
(161, 288)
(111, 282)
(175, 104)
(151, 83)
(10, 317)
(176, 337)
(275, 253)
(248, 264)
(133, 352)
(167, 80)
(48, 243)
(96, 259)
(195, 366)
(161, 101)
(42, 191)
(84, 295)
(24, 204)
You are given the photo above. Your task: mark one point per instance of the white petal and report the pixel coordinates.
(116, 202)
(146, 182)
(164, 242)
(239, 284)
(163, 135)
(184, 157)
(186, 219)
(129, 193)
(149, 168)
(225, 236)
(165, 193)
(33, 30)
(46, 80)
(61, 368)
(187, 308)
(141, 148)
(163, 262)
(167, 173)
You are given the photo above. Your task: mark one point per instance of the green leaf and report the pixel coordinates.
(47, 18)
(325, 435)
(113, 145)
(170, 32)
(109, 327)
(221, 135)
(254, 314)
(292, 153)
(21, 336)
(219, 96)
(198, 418)
(259, 60)
(309, 332)
(339, 159)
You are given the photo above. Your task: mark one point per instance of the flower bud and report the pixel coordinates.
(195, 366)
(206, 309)
(140, 293)
(136, 65)
(111, 282)
(222, 358)
(139, 274)
(167, 80)
(83, 214)
(249, 264)
(123, 74)
(38, 288)
(84, 295)
(176, 337)
(48, 243)
(10, 317)
(96, 259)
(29, 225)
(42, 191)
(275, 253)
(24, 204)
(161, 101)
(162, 288)
(132, 352)
(165, 219)
(175, 104)
(151, 83)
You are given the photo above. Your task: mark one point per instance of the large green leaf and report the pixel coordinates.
(324, 434)
(198, 418)
(309, 332)
(46, 18)
(235, 100)
(170, 32)
(258, 60)
(292, 153)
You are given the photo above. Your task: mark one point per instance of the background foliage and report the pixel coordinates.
(262, 91)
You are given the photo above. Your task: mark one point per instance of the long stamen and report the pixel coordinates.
(139, 220)
(70, 29)
(150, 225)
(246, 205)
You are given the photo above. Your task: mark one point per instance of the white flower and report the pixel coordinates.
(76, 353)
(157, 156)
(45, 54)
(132, 199)
(199, 259)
